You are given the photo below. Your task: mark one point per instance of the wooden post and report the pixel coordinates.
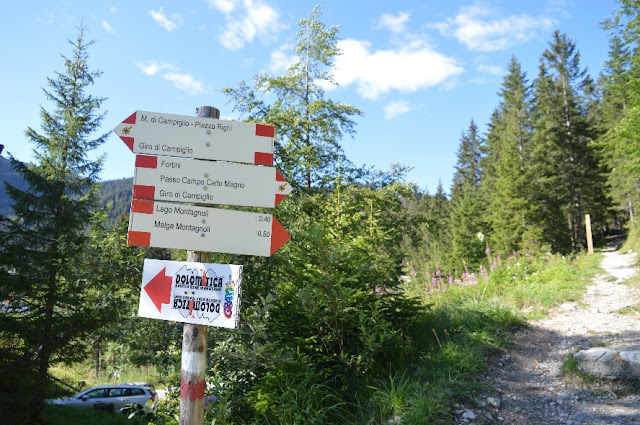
(587, 223)
(194, 343)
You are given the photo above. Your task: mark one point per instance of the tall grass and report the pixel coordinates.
(530, 285)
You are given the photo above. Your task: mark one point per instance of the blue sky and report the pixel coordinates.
(419, 70)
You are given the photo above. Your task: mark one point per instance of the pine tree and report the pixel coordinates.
(45, 285)
(309, 127)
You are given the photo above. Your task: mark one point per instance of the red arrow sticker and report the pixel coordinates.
(159, 289)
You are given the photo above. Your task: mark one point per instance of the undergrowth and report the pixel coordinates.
(441, 363)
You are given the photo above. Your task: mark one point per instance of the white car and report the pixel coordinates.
(113, 397)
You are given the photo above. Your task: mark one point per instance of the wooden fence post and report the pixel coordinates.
(587, 223)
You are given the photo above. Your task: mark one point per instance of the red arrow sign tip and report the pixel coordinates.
(159, 289)
(279, 236)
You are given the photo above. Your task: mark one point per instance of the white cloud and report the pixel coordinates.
(152, 67)
(246, 20)
(281, 59)
(107, 27)
(476, 28)
(413, 67)
(185, 82)
(492, 70)
(46, 18)
(396, 108)
(113, 9)
(224, 6)
(167, 22)
(180, 80)
(396, 24)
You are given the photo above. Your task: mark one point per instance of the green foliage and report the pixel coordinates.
(507, 182)
(621, 103)
(295, 393)
(468, 229)
(429, 252)
(116, 196)
(401, 399)
(467, 223)
(335, 310)
(566, 166)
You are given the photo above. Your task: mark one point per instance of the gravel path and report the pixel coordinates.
(528, 380)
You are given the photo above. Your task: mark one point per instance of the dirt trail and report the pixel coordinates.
(528, 380)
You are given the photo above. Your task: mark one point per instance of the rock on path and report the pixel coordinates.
(528, 380)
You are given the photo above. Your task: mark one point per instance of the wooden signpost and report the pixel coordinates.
(196, 292)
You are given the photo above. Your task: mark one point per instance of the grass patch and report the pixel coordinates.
(632, 309)
(82, 375)
(632, 243)
(572, 374)
(456, 336)
(403, 397)
(532, 285)
(67, 415)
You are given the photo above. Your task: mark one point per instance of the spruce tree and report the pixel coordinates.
(621, 109)
(45, 285)
(466, 222)
(507, 177)
(564, 161)
(468, 166)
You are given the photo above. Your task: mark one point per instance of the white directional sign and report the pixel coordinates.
(204, 138)
(199, 293)
(180, 226)
(207, 182)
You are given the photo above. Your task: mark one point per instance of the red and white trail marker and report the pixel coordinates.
(199, 293)
(156, 133)
(208, 182)
(180, 226)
